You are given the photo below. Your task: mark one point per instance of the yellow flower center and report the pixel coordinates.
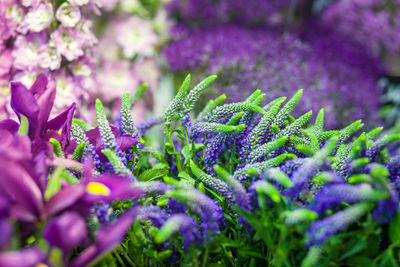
(41, 265)
(95, 188)
(59, 132)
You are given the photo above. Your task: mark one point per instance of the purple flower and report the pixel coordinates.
(108, 236)
(324, 63)
(66, 231)
(29, 257)
(322, 229)
(179, 223)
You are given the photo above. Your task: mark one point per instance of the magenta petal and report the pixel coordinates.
(94, 135)
(6, 233)
(120, 188)
(108, 236)
(9, 125)
(40, 84)
(45, 101)
(61, 122)
(65, 198)
(22, 189)
(66, 231)
(28, 257)
(23, 102)
(126, 141)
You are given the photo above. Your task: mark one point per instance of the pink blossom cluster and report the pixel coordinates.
(44, 36)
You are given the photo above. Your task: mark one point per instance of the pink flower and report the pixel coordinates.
(68, 15)
(135, 36)
(39, 17)
(116, 78)
(68, 42)
(26, 51)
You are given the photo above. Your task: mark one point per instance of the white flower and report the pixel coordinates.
(49, 57)
(79, 2)
(38, 18)
(68, 15)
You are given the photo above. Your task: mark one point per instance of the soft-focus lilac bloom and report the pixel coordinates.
(134, 35)
(108, 236)
(28, 3)
(69, 90)
(68, 15)
(68, 42)
(66, 231)
(11, 15)
(221, 11)
(26, 51)
(27, 257)
(261, 58)
(373, 23)
(79, 2)
(6, 61)
(49, 57)
(115, 78)
(38, 17)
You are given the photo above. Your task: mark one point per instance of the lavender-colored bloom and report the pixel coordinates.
(146, 125)
(373, 23)
(200, 204)
(179, 223)
(155, 214)
(322, 229)
(205, 12)
(333, 195)
(259, 58)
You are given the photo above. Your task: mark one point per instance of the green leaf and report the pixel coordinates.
(24, 125)
(394, 228)
(157, 171)
(54, 183)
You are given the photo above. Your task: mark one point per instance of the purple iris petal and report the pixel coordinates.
(9, 125)
(108, 236)
(66, 231)
(28, 257)
(23, 102)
